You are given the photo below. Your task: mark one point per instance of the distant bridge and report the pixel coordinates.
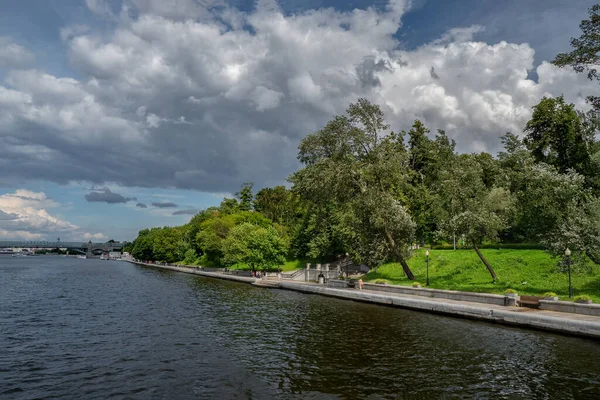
(88, 248)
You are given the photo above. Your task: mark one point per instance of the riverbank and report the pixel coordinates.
(529, 272)
(572, 324)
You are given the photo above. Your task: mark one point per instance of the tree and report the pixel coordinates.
(543, 196)
(585, 56)
(429, 158)
(214, 230)
(166, 244)
(577, 229)
(229, 206)
(556, 135)
(347, 164)
(245, 197)
(211, 235)
(419, 147)
(277, 204)
(477, 212)
(143, 246)
(193, 227)
(255, 246)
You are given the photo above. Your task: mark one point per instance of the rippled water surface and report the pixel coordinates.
(91, 329)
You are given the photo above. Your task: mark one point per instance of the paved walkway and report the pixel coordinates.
(577, 324)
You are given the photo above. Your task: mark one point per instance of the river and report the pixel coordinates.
(92, 329)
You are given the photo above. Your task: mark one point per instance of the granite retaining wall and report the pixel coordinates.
(570, 307)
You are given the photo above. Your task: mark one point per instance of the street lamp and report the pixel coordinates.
(568, 255)
(427, 263)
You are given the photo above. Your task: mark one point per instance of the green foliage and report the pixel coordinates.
(255, 246)
(510, 291)
(372, 193)
(245, 197)
(229, 206)
(585, 55)
(550, 294)
(557, 136)
(351, 170)
(416, 285)
(583, 298)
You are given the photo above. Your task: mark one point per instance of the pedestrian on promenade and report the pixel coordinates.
(360, 284)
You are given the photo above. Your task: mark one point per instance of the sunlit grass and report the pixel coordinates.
(529, 272)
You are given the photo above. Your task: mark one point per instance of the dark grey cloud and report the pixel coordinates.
(433, 74)
(214, 114)
(4, 216)
(367, 71)
(185, 212)
(141, 205)
(105, 195)
(166, 204)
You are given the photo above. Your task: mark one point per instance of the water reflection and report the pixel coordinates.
(92, 329)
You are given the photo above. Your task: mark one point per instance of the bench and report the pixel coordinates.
(529, 301)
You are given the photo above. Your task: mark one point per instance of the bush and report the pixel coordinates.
(416, 284)
(510, 291)
(550, 294)
(380, 281)
(583, 298)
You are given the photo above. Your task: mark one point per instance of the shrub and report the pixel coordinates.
(508, 291)
(550, 294)
(583, 298)
(380, 281)
(416, 284)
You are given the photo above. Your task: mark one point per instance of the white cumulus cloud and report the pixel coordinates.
(202, 95)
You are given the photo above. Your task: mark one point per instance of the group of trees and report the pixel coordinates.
(370, 192)
(219, 236)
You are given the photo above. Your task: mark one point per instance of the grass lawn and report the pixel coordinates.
(529, 272)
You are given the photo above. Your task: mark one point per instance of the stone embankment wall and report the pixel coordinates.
(483, 298)
(569, 307)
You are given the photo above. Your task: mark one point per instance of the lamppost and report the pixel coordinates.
(568, 255)
(427, 263)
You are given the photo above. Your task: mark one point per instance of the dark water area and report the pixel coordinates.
(91, 329)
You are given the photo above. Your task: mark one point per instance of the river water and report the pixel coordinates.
(92, 329)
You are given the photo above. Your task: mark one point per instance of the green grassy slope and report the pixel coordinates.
(530, 272)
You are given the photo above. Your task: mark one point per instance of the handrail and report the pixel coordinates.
(293, 274)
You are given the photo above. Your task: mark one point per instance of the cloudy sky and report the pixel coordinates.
(117, 115)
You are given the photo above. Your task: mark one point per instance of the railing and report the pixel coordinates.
(293, 275)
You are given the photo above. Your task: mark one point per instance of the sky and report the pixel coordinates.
(117, 115)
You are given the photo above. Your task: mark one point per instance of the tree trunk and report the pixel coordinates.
(405, 267)
(401, 259)
(485, 262)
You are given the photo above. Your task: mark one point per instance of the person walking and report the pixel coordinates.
(360, 284)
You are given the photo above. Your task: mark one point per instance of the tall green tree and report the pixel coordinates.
(475, 211)
(350, 161)
(245, 196)
(143, 246)
(585, 56)
(556, 135)
(278, 204)
(255, 246)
